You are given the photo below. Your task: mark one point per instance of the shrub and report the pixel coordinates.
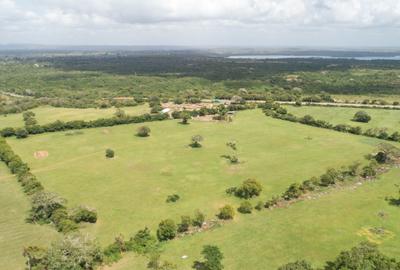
(226, 212)
(44, 204)
(109, 153)
(172, 198)
(330, 177)
(249, 188)
(185, 224)
(143, 131)
(66, 226)
(298, 265)
(21, 133)
(259, 206)
(196, 139)
(166, 230)
(212, 259)
(293, 192)
(245, 207)
(368, 171)
(7, 132)
(270, 203)
(361, 116)
(198, 218)
(143, 242)
(381, 157)
(84, 214)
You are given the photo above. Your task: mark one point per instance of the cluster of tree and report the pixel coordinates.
(17, 105)
(274, 110)
(364, 256)
(46, 207)
(29, 119)
(80, 124)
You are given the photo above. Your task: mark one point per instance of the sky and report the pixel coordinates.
(267, 23)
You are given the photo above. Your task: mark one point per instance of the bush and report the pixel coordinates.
(109, 153)
(84, 214)
(361, 116)
(143, 242)
(259, 206)
(7, 132)
(166, 230)
(196, 139)
(330, 177)
(66, 226)
(198, 218)
(226, 212)
(298, 265)
(293, 192)
(270, 203)
(21, 133)
(185, 224)
(212, 259)
(44, 204)
(143, 131)
(172, 198)
(249, 188)
(381, 157)
(245, 207)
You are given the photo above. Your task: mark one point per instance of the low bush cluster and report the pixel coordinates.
(248, 189)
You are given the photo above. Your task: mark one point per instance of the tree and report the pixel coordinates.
(196, 139)
(143, 131)
(109, 153)
(143, 242)
(185, 118)
(364, 256)
(44, 204)
(119, 113)
(212, 259)
(74, 252)
(166, 230)
(361, 116)
(245, 207)
(226, 212)
(249, 188)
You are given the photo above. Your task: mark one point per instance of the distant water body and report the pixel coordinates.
(396, 57)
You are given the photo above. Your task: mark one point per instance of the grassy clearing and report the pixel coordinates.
(15, 233)
(48, 114)
(130, 190)
(316, 230)
(389, 119)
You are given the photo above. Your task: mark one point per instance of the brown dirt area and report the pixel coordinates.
(41, 154)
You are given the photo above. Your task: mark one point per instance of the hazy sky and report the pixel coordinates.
(201, 22)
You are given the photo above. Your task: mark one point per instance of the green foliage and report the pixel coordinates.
(44, 204)
(172, 198)
(75, 252)
(198, 219)
(143, 131)
(143, 242)
(226, 212)
(109, 153)
(248, 189)
(245, 207)
(298, 265)
(166, 230)
(84, 214)
(196, 139)
(362, 116)
(184, 226)
(212, 259)
(259, 206)
(294, 191)
(21, 133)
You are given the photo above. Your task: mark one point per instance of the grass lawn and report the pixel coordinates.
(315, 230)
(48, 114)
(15, 233)
(130, 190)
(389, 119)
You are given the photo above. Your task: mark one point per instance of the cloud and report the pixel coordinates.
(186, 16)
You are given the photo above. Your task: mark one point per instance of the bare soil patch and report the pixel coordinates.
(41, 154)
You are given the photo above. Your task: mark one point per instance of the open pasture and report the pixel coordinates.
(48, 114)
(380, 118)
(129, 191)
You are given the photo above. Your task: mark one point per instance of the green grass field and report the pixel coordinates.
(48, 114)
(129, 191)
(15, 233)
(389, 119)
